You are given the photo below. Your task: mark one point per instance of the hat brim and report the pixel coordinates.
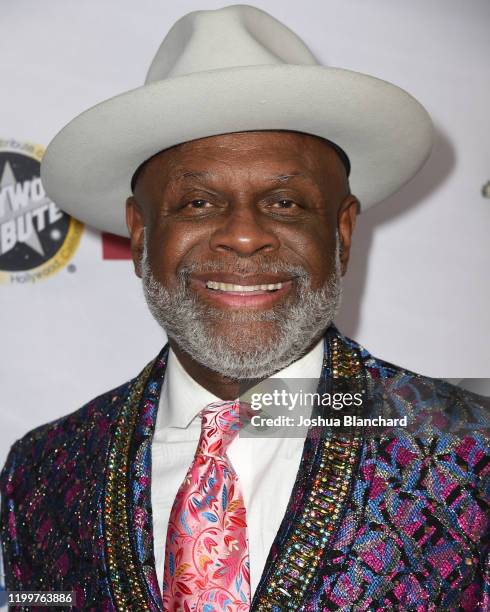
(386, 133)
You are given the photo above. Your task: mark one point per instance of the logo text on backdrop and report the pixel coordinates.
(37, 239)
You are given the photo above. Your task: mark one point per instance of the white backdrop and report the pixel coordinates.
(417, 292)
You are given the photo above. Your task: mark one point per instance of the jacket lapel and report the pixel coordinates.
(315, 507)
(323, 483)
(127, 516)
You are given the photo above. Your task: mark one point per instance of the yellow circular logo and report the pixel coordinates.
(37, 239)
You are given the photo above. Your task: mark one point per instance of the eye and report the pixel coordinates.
(196, 206)
(284, 206)
(285, 203)
(199, 203)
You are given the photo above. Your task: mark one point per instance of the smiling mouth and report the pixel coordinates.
(240, 289)
(260, 295)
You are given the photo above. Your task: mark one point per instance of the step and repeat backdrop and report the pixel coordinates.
(73, 321)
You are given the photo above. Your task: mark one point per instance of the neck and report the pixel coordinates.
(222, 387)
(217, 384)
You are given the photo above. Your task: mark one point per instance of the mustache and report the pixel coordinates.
(243, 266)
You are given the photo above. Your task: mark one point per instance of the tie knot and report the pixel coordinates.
(220, 423)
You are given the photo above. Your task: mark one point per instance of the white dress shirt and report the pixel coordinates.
(266, 467)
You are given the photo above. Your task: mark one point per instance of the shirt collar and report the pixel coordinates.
(182, 398)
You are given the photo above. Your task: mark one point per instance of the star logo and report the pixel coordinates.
(33, 229)
(21, 201)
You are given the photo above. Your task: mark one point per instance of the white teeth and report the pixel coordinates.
(242, 288)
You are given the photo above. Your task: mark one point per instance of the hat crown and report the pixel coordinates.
(230, 37)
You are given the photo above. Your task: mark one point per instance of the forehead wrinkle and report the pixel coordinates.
(283, 177)
(194, 174)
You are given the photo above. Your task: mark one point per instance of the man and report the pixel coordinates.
(239, 151)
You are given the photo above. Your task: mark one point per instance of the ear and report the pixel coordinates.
(136, 226)
(346, 221)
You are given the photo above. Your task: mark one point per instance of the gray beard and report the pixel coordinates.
(299, 319)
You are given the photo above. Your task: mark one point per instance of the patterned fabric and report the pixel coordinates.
(206, 554)
(400, 521)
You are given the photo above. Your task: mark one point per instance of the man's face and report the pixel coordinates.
(241, 231)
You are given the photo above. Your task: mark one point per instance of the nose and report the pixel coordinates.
(244, 233)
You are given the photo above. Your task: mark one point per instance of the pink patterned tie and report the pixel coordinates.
(206, 555)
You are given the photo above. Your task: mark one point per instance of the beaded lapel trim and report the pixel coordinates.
(318, 497)
(128, 531)
(321, 488)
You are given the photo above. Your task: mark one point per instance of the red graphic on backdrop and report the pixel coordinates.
(115, 247)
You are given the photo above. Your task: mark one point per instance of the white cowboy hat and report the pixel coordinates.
(232, 70)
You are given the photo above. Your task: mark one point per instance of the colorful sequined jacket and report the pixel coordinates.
(398, 521)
